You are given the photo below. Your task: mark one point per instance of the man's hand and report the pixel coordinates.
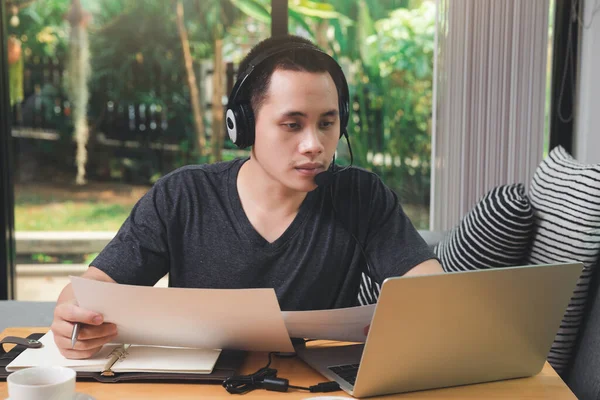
(93, 333)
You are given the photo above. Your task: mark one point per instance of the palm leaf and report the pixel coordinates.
(298, 18)
(253, 9)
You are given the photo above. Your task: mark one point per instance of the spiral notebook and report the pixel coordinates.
(116, 358)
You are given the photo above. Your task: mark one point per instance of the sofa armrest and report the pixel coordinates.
(432, 238)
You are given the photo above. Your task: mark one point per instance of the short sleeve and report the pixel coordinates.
(138, 254)
(393, 244)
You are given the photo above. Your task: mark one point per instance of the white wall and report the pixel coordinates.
(587, 130)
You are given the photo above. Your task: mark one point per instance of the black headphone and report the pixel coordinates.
(239, 117)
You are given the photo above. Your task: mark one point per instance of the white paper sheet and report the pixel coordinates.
(244, 319)
(345, 324)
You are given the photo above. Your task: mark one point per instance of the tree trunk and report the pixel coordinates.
(217, 103)
(191, 78)
(78, 74)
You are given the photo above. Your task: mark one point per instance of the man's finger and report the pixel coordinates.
(83, 345)
(72, 313)
(79, 354)
(88, 332)
(64, 329)
(61, 328)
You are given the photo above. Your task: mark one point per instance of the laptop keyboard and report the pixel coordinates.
(347, 372)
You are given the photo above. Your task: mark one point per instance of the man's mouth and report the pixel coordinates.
(310, 169)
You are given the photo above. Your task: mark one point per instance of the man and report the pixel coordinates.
(263, 222)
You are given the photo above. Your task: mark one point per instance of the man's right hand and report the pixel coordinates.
(93, 332)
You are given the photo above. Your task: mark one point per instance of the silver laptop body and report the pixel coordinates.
(454, 329)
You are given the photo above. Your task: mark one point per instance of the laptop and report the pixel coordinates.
(453, 329)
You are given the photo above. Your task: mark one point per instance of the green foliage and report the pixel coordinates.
(253, 9)
(136, 51)
(15, 84)
(386, 49)
(384, 46)
(42, 258)
(42, 28)
(404, 45)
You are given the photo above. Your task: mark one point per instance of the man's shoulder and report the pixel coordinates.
(199, 173)
(360, 172)
(359, 179)
(359, 189)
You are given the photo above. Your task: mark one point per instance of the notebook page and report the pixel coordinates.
(49, 355)
(167, 360)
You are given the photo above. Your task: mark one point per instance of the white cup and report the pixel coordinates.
(42, 383)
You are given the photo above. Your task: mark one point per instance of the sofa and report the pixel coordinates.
(554, 218)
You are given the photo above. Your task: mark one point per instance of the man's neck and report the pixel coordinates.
(260, 192)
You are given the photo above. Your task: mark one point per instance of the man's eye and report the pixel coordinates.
(326, 124)
(292, 125)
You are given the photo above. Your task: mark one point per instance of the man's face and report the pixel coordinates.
(297, 128)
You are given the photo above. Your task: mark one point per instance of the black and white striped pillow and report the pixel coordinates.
(565, 196)
(368, 291)
(495, 233)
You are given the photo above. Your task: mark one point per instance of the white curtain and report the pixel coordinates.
(490, 73)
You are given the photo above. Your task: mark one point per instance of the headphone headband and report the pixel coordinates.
(240, 117)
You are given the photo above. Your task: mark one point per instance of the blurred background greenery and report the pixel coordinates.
(146, 117)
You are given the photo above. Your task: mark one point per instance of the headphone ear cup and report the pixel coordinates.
(246, 126)
(231, 124)
(239, 122)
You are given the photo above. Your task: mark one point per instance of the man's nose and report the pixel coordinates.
(311, 141)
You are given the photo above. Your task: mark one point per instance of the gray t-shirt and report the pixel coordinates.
(191, 224)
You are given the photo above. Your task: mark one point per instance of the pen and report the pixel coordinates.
(74, 334)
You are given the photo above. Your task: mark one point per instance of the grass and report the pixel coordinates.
(70, 216)
(55, 207)
(102, 207)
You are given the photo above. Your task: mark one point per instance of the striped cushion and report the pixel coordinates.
(565, 196)
(495, 233)
(368, 291)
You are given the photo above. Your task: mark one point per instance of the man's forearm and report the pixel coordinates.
(66, 295)
(426, 268)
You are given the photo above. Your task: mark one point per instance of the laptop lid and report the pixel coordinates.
(461, 328)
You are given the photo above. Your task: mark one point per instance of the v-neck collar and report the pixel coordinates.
(255, 238)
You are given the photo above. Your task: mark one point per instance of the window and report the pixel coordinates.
(104, 103)
(122, 92)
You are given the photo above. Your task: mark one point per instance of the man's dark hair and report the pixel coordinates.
(296, 60)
